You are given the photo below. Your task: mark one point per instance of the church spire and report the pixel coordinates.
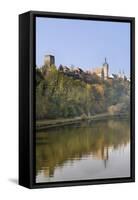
(105, 68)
(105, 61)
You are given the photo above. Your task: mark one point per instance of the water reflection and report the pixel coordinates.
(66, 147)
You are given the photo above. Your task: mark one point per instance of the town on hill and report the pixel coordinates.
(69, 92)
(78, 73)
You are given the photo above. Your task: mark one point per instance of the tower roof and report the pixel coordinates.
(49, 55)
(105, 61)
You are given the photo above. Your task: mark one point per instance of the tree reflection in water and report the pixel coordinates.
(54, 147)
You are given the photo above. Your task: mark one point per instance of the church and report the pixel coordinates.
(103, 71)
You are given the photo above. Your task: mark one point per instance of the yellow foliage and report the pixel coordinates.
(100, 89)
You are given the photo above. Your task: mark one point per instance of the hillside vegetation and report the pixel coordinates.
(61, 96)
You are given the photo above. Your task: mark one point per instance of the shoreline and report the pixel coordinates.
(46, 124)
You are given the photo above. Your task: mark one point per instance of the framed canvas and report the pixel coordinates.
(76, 99)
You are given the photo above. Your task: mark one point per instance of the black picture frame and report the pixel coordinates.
(27, 98)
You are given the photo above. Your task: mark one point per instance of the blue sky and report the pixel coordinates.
(84, 43)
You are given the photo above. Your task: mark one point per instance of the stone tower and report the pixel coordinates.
(49, 60)
(105, 69)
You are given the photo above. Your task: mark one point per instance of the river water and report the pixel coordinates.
(90, 150)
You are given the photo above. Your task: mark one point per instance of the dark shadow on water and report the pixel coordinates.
(13, 180)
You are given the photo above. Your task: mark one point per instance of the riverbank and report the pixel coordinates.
(45, 124)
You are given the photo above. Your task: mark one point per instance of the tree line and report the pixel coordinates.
(61, 96)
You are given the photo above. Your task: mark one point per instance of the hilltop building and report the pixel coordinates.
(49, 60)
(103, 71)
(76, 72)
(121, 74)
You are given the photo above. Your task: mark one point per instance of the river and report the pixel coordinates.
(90, 150)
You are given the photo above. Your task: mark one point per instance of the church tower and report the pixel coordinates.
(105, 69)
